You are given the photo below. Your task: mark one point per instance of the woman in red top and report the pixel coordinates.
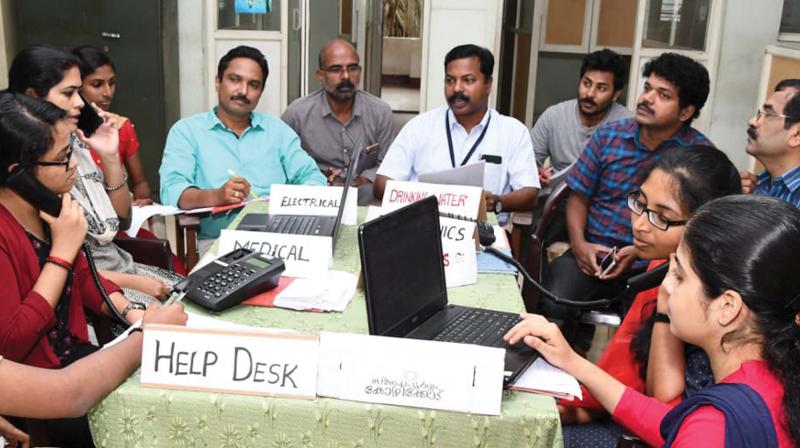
(732, 290)
(99, 79)
(674, 186)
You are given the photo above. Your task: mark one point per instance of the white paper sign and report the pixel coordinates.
(457, 199)
(304, 255)
(458, 252)
(255, 362)
(410, 372)
(312, 200)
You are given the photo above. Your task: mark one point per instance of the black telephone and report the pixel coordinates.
(25, 184)
(88, 120)
(231, 279)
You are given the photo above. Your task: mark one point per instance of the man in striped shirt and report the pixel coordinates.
(773, 138)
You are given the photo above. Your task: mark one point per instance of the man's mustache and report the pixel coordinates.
(751, 132)
(345, 84)
(458, 96)
(644, 106)
(240, 98)
(588, 101)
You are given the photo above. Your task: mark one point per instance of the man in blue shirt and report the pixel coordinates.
(773, 138)
(216, 158)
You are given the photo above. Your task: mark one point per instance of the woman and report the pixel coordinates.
(53, 75)
(47, 281)
(733, 291)
(99, 79)
(44, 393)
(674, 186)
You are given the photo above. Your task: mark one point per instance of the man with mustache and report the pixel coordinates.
(340, 118)
(203, 151)
(773, 138)
(675, 89)
(467, 131)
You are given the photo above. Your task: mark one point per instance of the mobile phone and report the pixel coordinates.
(88, 120)
(608, 262)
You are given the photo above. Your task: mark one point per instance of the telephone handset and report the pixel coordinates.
(25, 184)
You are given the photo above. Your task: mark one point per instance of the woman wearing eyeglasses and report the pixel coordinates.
(674, 186)
(733, 291)
(47, 285)
(53, 75)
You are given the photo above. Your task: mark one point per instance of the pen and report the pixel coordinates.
(232, 174)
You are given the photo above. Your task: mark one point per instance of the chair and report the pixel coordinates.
(536, 249)
(186, 229)
(153, 252)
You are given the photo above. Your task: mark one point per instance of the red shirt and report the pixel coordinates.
(25, 316)
(618, 359)
(705, 427)
(128, 144)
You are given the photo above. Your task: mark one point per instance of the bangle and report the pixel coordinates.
(59, 262)
(119, 185)
(661, 317)
(136, 330)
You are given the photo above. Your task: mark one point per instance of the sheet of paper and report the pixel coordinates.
(543, 376)
(331, 293)
(471, 175)
(141, 214)
(373, 211)
(557, 177)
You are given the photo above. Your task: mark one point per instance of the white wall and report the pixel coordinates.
(746, 31)
(191, 47)
(446, 24)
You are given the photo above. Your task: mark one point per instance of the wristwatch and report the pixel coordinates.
(132, 306)
(498, 204)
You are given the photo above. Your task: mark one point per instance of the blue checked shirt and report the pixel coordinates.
(608, 169)
(786, 187)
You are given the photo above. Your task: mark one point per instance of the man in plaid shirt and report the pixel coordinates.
(598, 219)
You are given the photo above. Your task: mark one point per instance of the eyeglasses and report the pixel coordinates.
(760, 112)
(351, 69)
(656, 219)
(63, 162)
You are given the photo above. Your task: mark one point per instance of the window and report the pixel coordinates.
(790, 19)
(676, 24)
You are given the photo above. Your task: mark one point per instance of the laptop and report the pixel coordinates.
(404, 285)
(307, 224)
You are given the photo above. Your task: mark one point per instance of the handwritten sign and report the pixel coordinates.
(410, 372)
(252, 362)
(304, 255)
(457, 199)
(313, 200)
(458, 252)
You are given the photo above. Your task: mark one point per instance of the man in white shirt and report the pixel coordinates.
(464, 132)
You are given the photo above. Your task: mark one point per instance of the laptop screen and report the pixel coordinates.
(401, 258)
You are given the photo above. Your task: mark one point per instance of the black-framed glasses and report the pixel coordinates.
(63, 162)
(656, 219)
(351, 69)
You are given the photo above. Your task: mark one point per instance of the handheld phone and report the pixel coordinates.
(88, 120)
(608, 262)
(26, 185)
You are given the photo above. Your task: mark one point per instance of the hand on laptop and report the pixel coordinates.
(544, 337)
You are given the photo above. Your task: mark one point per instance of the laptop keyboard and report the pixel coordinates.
(478, 326)
(297, 225)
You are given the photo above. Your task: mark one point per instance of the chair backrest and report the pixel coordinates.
(146, 251)
(536, 249)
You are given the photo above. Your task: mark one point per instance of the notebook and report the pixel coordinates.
(404, 284)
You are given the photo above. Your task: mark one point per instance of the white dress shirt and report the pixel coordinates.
(421, 147)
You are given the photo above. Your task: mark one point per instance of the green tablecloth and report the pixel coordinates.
(133, 416)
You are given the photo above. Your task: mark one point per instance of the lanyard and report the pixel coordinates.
(450, 140)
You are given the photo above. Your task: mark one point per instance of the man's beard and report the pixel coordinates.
(340, 95)
(598, 111)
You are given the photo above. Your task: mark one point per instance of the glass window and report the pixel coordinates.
(790, 19)
(676, 24)
(258, 15)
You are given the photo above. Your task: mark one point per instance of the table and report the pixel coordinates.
(133, 416)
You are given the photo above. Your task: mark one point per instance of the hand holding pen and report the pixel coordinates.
(234, 191)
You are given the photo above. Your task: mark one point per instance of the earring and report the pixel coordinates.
(797, 319)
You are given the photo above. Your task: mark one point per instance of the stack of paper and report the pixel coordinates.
(332, 293)
(543, 378)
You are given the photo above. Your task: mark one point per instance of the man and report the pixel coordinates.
(675, 90)
(216, 158)
(339, 119)
(562, 131)
(773, 138)
(467, 131)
